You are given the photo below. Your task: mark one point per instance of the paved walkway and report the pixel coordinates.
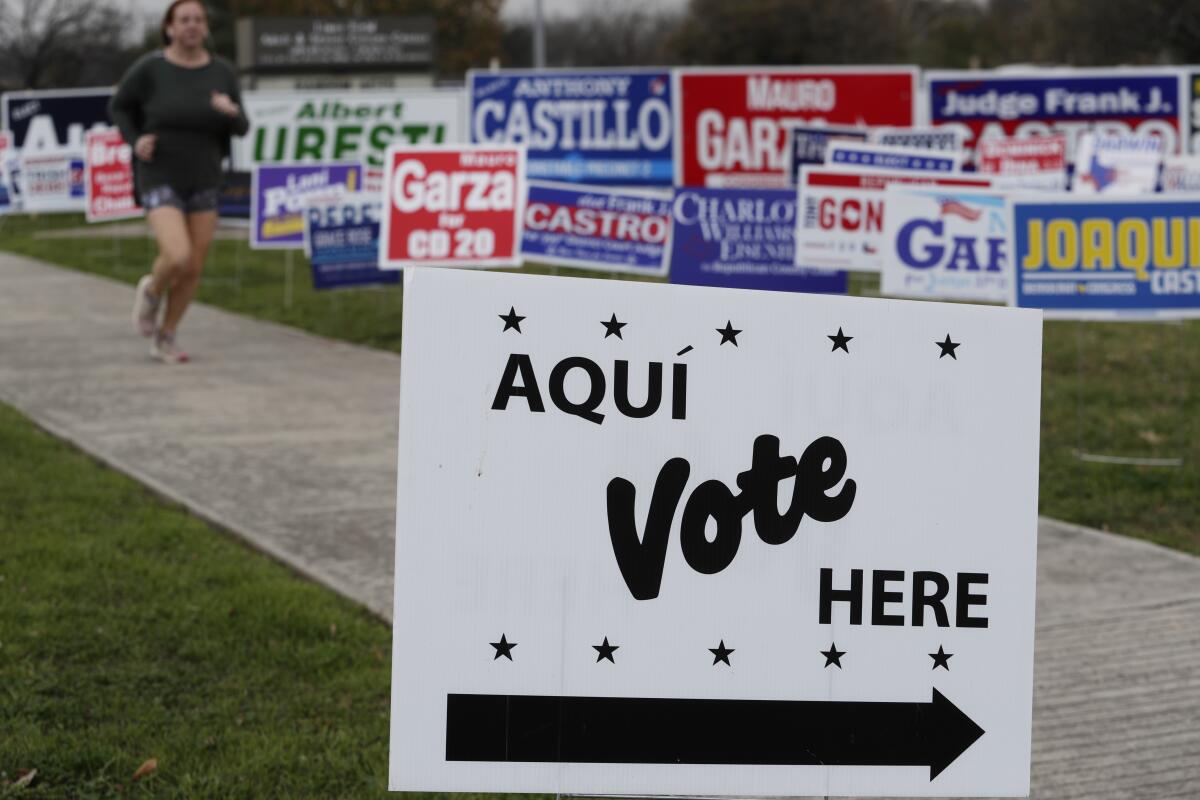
(289, 440)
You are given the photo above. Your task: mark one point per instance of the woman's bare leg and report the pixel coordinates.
(200, 229)
(174, 247)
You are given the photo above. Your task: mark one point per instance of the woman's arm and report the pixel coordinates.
(125, 108)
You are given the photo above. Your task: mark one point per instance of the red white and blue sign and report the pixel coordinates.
(342, 240)
(1100, 258)
(611, 127)
(855, 156)
(607, 229)
(990, 105)
(742, 238)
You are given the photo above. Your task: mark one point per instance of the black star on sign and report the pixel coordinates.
(613, 328)
(721, 653)
(941, 659)
(503, 648)
(511, 320)
(728, 333)
(948, 348)
(839, 341)
(605, 650)
(833, 656)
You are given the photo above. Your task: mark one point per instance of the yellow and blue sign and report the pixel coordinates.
(1106, 259)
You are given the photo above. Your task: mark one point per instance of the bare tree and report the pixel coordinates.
(62, 42)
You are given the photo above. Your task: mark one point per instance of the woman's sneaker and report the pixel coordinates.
(145, 308)
(165, 350)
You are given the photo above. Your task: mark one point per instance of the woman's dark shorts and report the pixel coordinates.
(189, 203)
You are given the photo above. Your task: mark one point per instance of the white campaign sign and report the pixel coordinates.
(947, 244)
(765, 544)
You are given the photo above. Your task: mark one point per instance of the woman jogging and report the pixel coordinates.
(177, 108)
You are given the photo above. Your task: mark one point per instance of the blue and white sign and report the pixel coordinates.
(1180, 174)
(1117, 165)
(341, 237)
(607, 229)
(742, 238)
(984, 104)
(48, 129)
(855, 156)
(597, 127)
(8, 159)
(1101, 258)
(807, 144)
(949, 244)
(278, 194)
(947, 139)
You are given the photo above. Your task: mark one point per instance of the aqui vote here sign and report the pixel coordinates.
(759, 545)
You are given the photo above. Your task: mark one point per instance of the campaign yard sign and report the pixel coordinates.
(742, 238)
(947, 139)
(945, 244)
(278, 195)
(731, 122)
(854, 156)
(607, 127)
(614, 230)
(757, 546)
(1102, 258)
(341, 237)
(1180, 174)
(330, 126)
(994, 104)
(806, 144)
(7, 161)
(1036, 162)
(1117, 165)
(48, 128)
(108, 178)
(840, 215)
(453, 206)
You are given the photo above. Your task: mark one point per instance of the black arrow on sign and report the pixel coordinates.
(641, 730)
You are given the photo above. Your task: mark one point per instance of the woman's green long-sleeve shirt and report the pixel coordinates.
(175, 103)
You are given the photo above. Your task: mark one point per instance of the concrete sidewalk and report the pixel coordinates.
(289, 440)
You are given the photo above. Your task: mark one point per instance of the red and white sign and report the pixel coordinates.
(452, 206)
(731, 123)
(1039, 162)
(839, 217)
(108, 177)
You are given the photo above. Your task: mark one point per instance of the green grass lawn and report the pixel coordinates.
(1124, 389)
(131, 631)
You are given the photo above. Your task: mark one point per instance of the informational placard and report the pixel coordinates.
(1117, 165)
(840, 220)
(732, 122)
(299, 45)
(460, 206)
(279, 192)
(613, 230)
(48, 128)
(806, 144)
(947, 139)
(855, 156)
(1036, 162)
(1180, 174)
(946, 244)
(341, 237)
(1101, 258)
(329, 125)
(986, 104)
(108, 178)
(8, 199)
(742, 238)
(785, 559)
(607, 127)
